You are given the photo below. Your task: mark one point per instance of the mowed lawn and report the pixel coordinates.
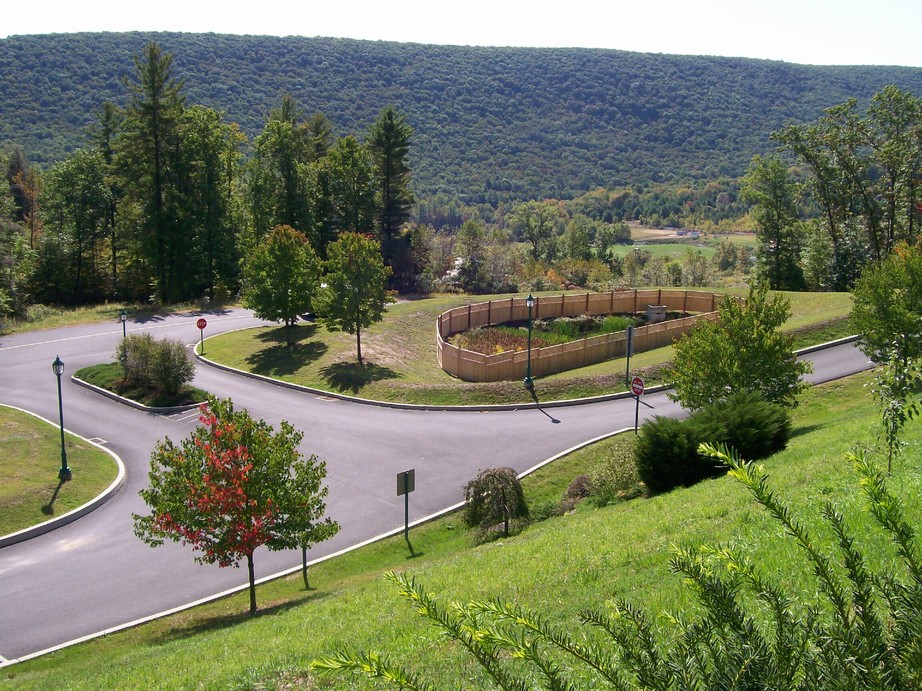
(30, 458)
(556, 567)
(401, 365)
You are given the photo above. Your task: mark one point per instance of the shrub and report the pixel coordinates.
(158, 365)
(667, 455)
(753, 426)
(614, 323)
(614, 477)
(494, 496)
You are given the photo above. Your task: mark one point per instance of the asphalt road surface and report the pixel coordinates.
(94, 575)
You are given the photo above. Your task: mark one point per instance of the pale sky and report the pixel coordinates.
(821, 32)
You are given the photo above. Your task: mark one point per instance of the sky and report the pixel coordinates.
(817, 32)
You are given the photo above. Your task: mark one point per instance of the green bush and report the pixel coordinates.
(753, 426)
(613, 324)
(667, 451)
(667, 455)
(614, 477)
(163, 366)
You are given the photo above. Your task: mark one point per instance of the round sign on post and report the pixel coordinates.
(201, 323)
(637, 386)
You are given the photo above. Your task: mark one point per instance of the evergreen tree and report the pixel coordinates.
(148, 137)
(389, 146)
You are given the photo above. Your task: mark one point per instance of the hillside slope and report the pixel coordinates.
(491, 124)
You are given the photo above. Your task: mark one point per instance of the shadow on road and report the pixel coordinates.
(352, 377)
(550, 417)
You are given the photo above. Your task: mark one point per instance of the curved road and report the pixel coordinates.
(94, 575)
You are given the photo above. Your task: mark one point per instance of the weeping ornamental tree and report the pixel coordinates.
(494, 496)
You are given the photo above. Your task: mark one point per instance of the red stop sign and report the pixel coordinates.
(201, 323)
(637, 386)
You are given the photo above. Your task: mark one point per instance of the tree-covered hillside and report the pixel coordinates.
(490, 124)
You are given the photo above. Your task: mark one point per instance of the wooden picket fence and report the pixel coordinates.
(509, 366)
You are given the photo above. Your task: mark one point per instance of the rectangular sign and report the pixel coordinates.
(406, 482)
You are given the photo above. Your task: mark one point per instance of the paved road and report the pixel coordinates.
(94, 574)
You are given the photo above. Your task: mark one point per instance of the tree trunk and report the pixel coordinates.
(252, 575)
(358, 344)
(307, 586)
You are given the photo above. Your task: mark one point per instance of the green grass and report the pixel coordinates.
(667, 250)
(556, 567)
(41, 317)
(401, 363)
(109, 376)
(30, 457)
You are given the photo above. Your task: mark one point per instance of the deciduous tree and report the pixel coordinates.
(356, 286)
(233, 485)
(887, 308)
(743, 350)
(281, 278)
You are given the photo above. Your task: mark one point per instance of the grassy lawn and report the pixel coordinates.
(30, 457)
(401, 361)
(109, 376)
(557, 567)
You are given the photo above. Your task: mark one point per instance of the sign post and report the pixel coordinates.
(406, 483)
(637, 389)
(201, 324)
(628, 351)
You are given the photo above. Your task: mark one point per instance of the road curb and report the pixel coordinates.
(169, 410)
(471, 408)
(80, 511)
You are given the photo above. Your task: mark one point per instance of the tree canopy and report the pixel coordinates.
(233, 485)
(744, 350)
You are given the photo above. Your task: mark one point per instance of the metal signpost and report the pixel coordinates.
(637, 389)
(201, 324)
(406, 483)
(628, 351)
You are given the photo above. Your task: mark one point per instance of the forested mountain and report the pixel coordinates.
(490, 124)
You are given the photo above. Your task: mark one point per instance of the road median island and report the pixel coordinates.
(33, 501)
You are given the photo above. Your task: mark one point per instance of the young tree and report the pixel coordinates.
(494, 496)
(232, 486)
(894, 387)
(887, 308)
(355, 294)
(281, 278)
(537, 224)
(770, 191)
(744, 350)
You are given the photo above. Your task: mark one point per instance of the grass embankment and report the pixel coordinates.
(31, 492)
(111, 377)
(556, 567)
(401, 362)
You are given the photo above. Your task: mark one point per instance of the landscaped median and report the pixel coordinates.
(32, 498)
(401, 364)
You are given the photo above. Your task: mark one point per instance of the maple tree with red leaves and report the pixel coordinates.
(232, 486)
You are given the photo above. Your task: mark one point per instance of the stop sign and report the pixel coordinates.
(201, 323)
(637, 386)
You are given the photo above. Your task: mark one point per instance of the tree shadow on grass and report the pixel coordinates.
(352, 377)
(804, 429)
(224, 621)
(277, 358)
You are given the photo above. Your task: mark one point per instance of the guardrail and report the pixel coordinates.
(509, 366)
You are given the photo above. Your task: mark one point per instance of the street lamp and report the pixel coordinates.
(124, 317)
(58, 368)
(529, 383)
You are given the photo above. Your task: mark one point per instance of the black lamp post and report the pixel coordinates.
(529, 383)
(58, 368)
(124, 317)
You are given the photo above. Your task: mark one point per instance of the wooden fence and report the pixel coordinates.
(509, 366)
